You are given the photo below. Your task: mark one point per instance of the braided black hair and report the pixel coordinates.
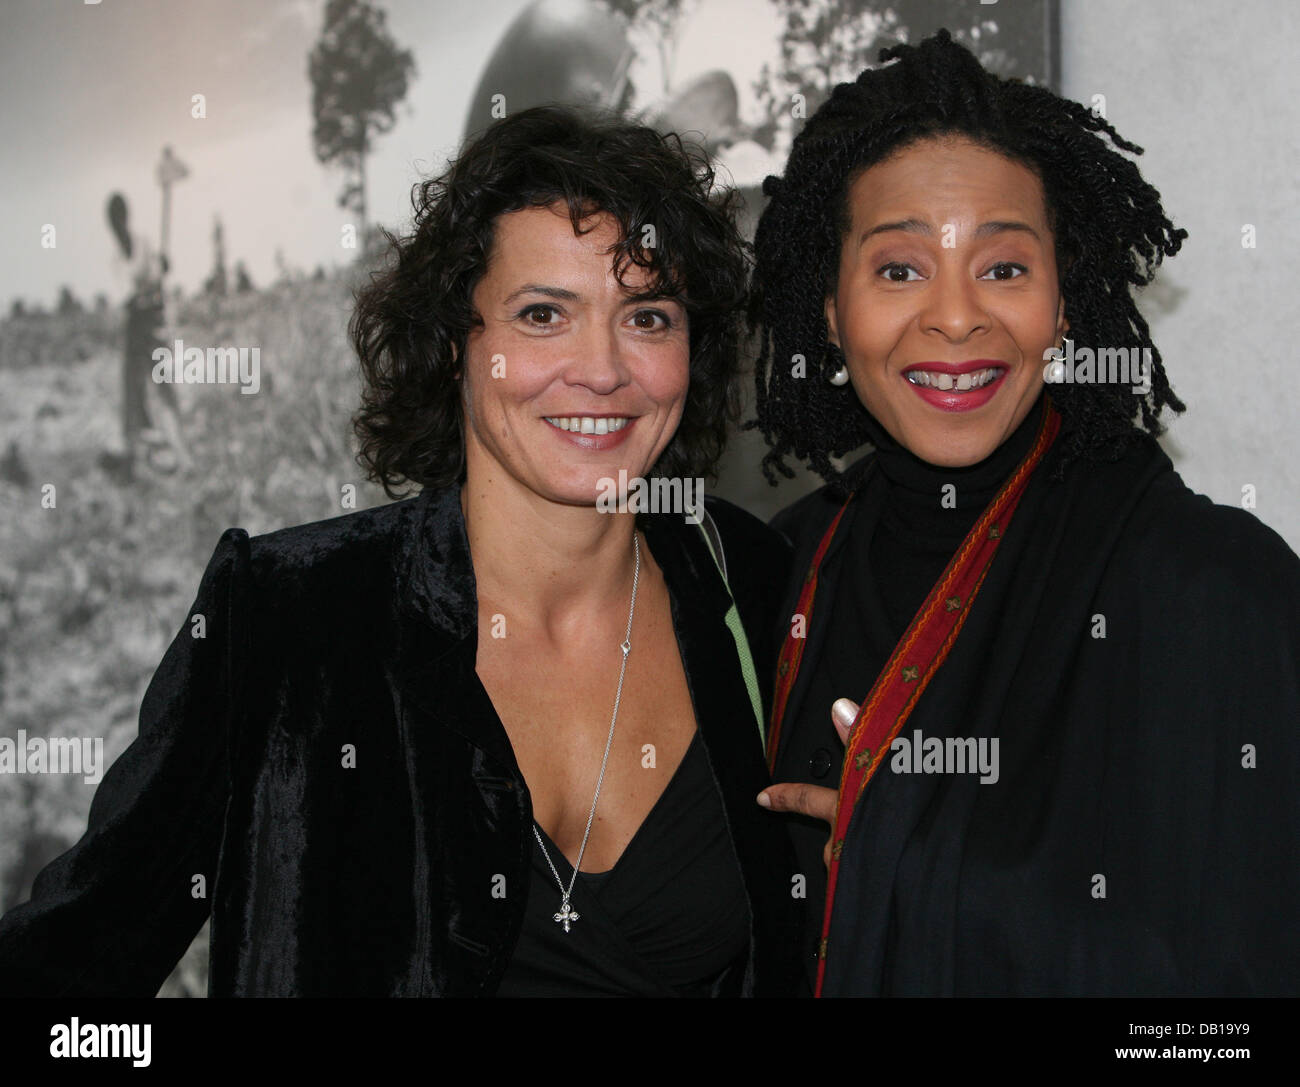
(1110, 230)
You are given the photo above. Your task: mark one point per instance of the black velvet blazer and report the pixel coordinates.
(323, 774)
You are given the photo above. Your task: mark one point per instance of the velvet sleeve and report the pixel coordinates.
(114, 914)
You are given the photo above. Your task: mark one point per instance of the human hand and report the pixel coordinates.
(813, 800)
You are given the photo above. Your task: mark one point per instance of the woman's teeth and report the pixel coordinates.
(948, 382)
(585, 424)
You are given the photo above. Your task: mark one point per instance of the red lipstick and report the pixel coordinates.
(951, 399)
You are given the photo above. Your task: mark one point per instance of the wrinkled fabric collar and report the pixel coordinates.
(435, 576)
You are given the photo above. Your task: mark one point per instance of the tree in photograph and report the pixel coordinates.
(69, 303)
(358, 75)
(218, 283)
(827, 42)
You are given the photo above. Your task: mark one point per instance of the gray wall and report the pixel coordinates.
(1210, 92)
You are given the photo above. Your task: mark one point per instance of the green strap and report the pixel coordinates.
(738, 633)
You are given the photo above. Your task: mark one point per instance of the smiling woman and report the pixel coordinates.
(1014, 572)
(982, 243)
(599, 366)
(493, 739)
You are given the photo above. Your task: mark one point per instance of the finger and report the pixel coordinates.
(811, 800)
(826, 854)
(844, 711)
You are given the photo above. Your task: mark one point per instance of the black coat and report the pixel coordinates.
(324, 774)
(1143, 837)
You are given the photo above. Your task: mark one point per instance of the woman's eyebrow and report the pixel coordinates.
(655, 296)
(909, 226)
(997, 226)
(919, 226)
(560, 293)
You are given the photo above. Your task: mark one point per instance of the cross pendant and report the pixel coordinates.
(567, 914)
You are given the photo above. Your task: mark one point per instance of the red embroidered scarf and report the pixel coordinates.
(915, 660)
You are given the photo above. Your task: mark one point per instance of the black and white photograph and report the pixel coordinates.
(650, 498)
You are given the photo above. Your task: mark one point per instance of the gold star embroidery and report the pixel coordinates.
(911, 674)
(863, 759)
(953, 603)
(994, 532)
(837, 849)
(821, 948)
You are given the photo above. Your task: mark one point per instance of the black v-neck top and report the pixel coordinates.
(669, 919)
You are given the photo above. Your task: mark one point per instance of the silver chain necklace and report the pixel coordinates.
(567, 914)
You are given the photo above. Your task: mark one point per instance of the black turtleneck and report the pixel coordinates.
(906, 541)
(927, 513)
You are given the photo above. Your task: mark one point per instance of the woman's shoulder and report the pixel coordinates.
(337, 556)
(755, 556)
(1208, 558)
(804, 521)
(334, 538)
(743, 532)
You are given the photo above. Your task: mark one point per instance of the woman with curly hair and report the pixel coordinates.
(503, 737)
(1065, 687)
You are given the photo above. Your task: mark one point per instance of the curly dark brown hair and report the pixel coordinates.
(1110, 230)
(412, 320)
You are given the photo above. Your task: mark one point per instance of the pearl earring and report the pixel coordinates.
(840, 376)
